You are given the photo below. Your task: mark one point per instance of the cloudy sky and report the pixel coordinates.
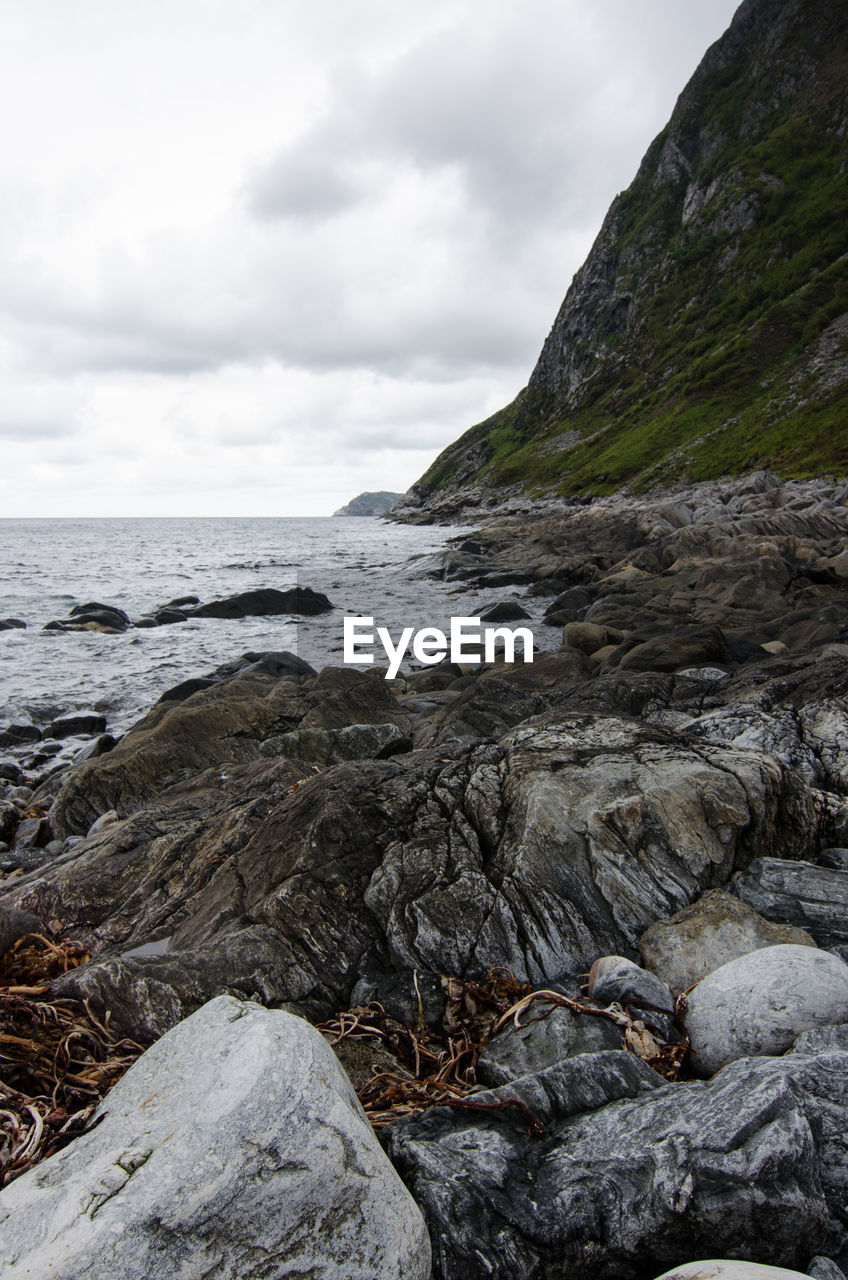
(259, 255)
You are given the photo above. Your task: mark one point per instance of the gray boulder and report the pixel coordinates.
(707, 934)
(752, 1161)
(731, 1269)
(234, 1147)
(548, 1034)
(761, 1002)
(799, 893)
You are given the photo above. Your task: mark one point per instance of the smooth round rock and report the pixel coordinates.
(707, 934)
(759, 1003)
(730, 1269)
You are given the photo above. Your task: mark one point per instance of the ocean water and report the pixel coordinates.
(46, 566)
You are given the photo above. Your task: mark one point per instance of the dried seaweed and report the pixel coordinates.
(57, 1059)
(438, 1068)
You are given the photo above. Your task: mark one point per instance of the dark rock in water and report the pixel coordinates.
(748, 1162)
(162, 617)
(78, 724)
(17, 735)
(16, 924)
(97, 747)
(12, 624)
(505, 611)
(11, 772)
(799, 893)
(265, 602)
(92, 617)
(179, 603)
(379, 503)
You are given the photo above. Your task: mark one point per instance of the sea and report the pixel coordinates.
(365, 566)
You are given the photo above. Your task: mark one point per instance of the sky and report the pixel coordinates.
(257, 256)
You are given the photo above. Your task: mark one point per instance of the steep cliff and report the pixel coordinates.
(707, 331)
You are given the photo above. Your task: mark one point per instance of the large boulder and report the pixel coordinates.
(561, 843)
(731, 1269)
(234, 1147)
(802, 894)
(749, 1164)
(707, 934)
(761, 1002)
(225, 722)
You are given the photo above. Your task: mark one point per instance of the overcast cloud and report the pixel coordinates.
(259, 255)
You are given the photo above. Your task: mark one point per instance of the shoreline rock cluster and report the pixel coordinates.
(648, 828)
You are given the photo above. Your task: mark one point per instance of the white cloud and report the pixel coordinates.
(289, 249)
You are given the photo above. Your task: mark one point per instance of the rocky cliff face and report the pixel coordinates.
(369, 504)
(707, 331)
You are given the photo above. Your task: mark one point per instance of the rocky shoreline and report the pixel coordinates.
(646, 831)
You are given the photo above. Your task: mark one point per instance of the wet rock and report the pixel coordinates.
(761, 1002)
(799, 893)
(78, 724)
(92, 617)
(16, 924)
(12, 624)
(11, 772)
(504, 611)
(627, 1188)
(17, 735)
(250, 1110)
(97, 747)
(264, 602)
(707, 934)
(549, 1033)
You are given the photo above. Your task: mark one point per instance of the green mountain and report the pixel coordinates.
(707, 332)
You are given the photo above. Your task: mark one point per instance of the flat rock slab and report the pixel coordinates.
(707, 934)
(234, 1148)
(761, 1002)
(751, 1159)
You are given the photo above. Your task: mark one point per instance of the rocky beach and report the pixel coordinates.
(457, 966)
(577, 929)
